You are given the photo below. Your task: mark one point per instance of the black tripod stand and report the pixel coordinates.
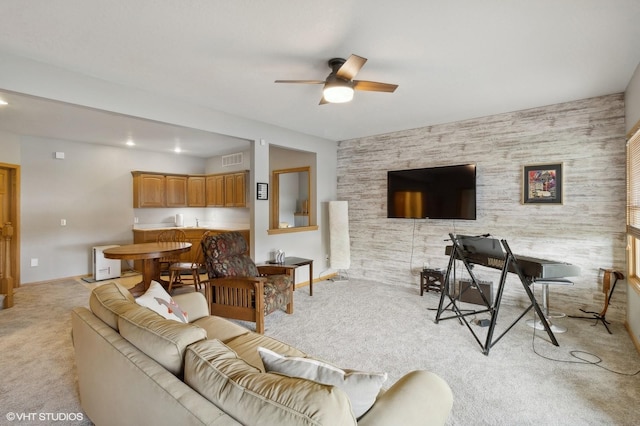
(607, 289)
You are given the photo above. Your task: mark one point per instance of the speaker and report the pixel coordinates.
(467, 292)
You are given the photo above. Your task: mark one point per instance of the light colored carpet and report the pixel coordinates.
(364, 325)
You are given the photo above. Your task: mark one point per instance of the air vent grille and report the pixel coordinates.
(232, 159)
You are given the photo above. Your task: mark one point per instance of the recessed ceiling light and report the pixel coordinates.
(2, 102)
(130, 142)
(177, 150)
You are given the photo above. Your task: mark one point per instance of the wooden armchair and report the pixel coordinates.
(236, 288)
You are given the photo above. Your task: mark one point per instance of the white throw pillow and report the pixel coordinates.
(362, 388)
(157, 299)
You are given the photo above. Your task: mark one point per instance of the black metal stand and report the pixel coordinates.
(510, 264)
(601, 316)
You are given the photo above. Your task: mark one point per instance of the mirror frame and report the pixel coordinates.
(275, 202)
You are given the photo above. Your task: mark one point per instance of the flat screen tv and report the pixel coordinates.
(447, 192)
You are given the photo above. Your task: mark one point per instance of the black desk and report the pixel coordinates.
(294, 263)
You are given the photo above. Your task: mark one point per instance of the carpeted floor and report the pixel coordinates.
(371, 326)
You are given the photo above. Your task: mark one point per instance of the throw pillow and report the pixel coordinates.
(362, 388)
(157, 299)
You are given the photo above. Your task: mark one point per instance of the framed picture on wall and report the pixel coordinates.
(542, 184)
(262, 191)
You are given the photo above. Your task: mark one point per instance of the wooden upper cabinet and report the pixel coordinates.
(196, 193)
(148, 190)
(235, 193)
(152, 189)
(176, 191)
(215, 191)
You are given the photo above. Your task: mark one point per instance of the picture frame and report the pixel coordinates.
(262, 191)
(542, 184)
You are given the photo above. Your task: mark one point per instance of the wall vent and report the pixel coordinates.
(232, 159)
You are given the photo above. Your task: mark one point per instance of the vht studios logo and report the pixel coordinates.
(44, 417)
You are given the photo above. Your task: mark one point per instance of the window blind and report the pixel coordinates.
(633, 185)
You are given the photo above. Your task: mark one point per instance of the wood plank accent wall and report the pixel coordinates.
(588, 229)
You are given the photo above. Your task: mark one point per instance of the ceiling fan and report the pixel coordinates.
(339, 85)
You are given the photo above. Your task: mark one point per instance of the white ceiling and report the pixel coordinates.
(452, 60)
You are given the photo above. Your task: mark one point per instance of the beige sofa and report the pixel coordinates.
(138, 368)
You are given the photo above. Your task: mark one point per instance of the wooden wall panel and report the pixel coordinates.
(588, 230)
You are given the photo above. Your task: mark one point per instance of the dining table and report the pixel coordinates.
(150, 254)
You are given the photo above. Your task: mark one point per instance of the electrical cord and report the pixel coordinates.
(576, 354)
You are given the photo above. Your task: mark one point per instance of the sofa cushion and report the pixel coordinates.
(161, 339)
(246, 346)
(158, 300)
(361, 387)
(108, 300)
(253, 397)
(221, 328)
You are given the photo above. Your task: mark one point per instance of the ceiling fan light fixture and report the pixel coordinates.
(337, 93)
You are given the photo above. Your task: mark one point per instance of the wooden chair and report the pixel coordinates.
(236, 288)
(170, 235)
(194, 269)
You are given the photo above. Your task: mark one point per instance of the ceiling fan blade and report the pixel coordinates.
(373, 86)
(350, 68)
(301, 81)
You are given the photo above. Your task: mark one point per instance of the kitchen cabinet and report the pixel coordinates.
(215, 191)
(148, 190)
(196, 191)
(175, 191)
(235, 190)
(151, 189)
(227, 190)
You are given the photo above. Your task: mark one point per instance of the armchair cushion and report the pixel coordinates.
(226, 256)
(275, 292)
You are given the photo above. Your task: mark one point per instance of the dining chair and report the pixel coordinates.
(192, 270)
(173, 236)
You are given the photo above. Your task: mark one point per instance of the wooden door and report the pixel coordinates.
(10, 230)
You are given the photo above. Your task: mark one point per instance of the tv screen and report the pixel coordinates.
(447, 192)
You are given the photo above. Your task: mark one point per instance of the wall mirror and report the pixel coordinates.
(291, 201)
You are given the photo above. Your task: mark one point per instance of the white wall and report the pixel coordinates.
(38, 79)
(632, 112)
(9, 148)
(92, 190)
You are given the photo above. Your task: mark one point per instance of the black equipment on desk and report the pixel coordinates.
(494, 253)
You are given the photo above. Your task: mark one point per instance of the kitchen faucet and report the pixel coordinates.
(197, 223)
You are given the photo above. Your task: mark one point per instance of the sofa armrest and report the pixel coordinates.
(194, 304)
(418, 398)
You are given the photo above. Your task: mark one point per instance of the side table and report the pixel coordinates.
(431, 279)
(295, 262)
